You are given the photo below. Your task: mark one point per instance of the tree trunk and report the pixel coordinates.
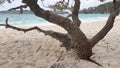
(75, 39)
(79, 42)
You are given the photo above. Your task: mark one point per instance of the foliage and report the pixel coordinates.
(104, 8)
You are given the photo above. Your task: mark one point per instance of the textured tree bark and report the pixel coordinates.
(19, 7)
(64, 38)
(78, 38)
(103, 32)
(75, 13)
(75, 39)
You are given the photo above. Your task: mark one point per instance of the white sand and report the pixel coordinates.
(36, 50)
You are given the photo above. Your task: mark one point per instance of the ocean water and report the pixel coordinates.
(32, 20)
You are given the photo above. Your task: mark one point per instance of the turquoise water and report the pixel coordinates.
(31, 19)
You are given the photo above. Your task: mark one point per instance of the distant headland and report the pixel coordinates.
(101, 9)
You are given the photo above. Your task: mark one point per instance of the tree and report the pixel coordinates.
(74, 39)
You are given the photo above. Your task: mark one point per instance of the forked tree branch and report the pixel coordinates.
(49, 16)
(75, 13)
(19, 7)
(64, 38)
(109, 24)
(57, 19)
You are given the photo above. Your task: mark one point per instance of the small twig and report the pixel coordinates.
(38, 49)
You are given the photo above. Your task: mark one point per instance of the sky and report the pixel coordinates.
(84, 4)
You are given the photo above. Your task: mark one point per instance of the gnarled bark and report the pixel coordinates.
(77, 36)
(75, 39)
(19, 7)
(64, 38)
(109, 24)
(75, 13)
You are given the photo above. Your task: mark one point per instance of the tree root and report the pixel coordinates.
(94, 62)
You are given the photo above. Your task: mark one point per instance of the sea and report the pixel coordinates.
(32, 20)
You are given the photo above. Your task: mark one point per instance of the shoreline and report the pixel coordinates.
(51, 24)
(32, 20)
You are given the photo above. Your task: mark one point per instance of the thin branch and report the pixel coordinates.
(102, 33)
(21, 29)
(19, 7)
(75, 13)
(61, 5)
(64, 38)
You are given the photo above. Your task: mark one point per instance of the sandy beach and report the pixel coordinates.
(36, 50)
